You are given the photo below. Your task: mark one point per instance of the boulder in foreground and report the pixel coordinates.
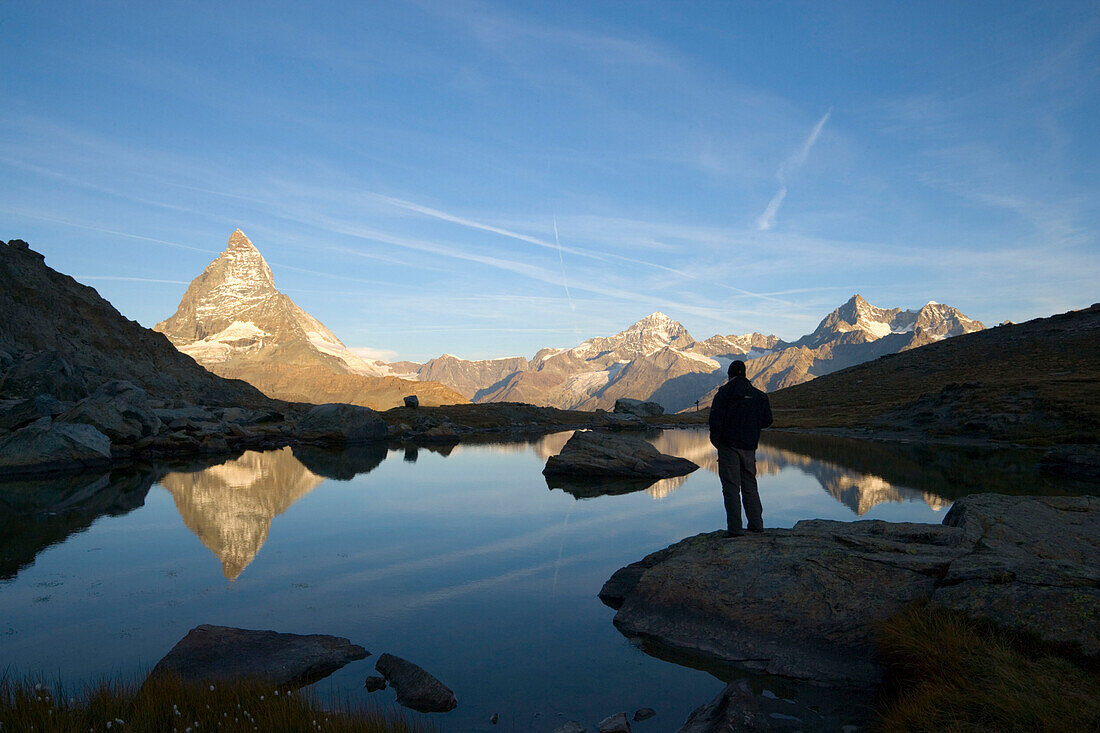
(45, 446)
(591, 454)
(416, 688)
(802, 602)
(283, 660)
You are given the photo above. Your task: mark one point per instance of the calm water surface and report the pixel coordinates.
(460, 559)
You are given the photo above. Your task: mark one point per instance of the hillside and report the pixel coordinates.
(1036, 382)
(61, 337)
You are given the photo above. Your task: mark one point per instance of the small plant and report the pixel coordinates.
(946, 672)
(169, 705)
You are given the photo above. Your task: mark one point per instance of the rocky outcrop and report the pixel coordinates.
(118, 409)
(339, 423)
(416, 688)
(46, 446)
(282, 660)
(62, 338)
(802, 602)
(638, 407)
(734, 710)
(589, 454)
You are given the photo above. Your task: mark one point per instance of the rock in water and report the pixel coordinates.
(374, 684)
(340, 423)
(638, 407)
(616, 723)
(802, 602)
(45, 446)
(571, 726)
(644, 714)
(592, 454)
(734, 710)
(282, 660)
(416, 688)
(118, 409)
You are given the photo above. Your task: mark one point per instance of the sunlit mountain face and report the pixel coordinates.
(230, 507)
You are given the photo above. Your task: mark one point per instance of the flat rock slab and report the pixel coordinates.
(802, 602)
(283, 660)
(45, 446)
(416, 688)
(591, 454)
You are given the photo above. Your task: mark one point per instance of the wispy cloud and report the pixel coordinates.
(767, 220)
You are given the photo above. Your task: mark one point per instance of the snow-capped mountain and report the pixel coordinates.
(935, 321)
(236, 323)
(654, 358)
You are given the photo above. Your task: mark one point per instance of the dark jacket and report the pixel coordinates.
(738, 414)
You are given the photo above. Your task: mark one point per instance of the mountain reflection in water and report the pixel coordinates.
(229, 507)
(858, 491)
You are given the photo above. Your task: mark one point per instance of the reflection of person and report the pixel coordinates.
(737, 415)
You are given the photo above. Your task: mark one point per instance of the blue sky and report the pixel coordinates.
(486, 179)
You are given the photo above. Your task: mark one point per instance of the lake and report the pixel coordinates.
(459, 558)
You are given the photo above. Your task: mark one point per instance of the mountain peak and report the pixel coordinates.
(240, 243)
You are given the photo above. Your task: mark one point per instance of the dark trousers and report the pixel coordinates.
(737, 472)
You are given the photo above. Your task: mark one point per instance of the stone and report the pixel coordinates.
(571, 726)
(494, 718)
(375, 683)
(46, 446)
(616, 723)
(412, 401)
(589, 454)
(734, 710)
(340, 423)
(416, 688)
(802, 603)
(43, 373)
(282, 660)
(15, 414)
(628, 406)
(118, 409)
(644, 714)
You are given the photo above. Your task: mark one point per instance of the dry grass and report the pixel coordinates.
(165, 704)
(949, 673)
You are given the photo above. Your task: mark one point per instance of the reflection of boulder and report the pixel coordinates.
(36, 514)
(342, 465)
(230, 506)
(589, 488)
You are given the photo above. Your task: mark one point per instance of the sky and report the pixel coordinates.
(487, 179)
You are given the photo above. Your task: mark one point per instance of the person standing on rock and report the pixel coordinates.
(737, 415)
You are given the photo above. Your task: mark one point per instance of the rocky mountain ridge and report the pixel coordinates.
(236, 323)
(657, 359)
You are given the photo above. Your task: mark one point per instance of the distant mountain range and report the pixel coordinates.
(236, 323)
(657, 359)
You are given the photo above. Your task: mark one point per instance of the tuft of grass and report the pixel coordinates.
(946, 672)
(166, 704)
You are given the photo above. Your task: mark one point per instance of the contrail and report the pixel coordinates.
(561, 261)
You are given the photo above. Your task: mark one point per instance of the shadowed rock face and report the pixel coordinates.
(283, 660)
(801, 602)
(230, 507)
(590, 454)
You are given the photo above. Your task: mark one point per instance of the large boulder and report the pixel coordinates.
(803, 602)
(282, 660)
(118, 409)
(45, 446)
(638, 407)
(15, 414)
(416, 688)
(592, 454)
(43, 373)
(340, 423)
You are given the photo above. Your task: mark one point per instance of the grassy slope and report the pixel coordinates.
(1036, 382)
(948, 673)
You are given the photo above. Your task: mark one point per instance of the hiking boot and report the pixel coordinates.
(730, 534)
